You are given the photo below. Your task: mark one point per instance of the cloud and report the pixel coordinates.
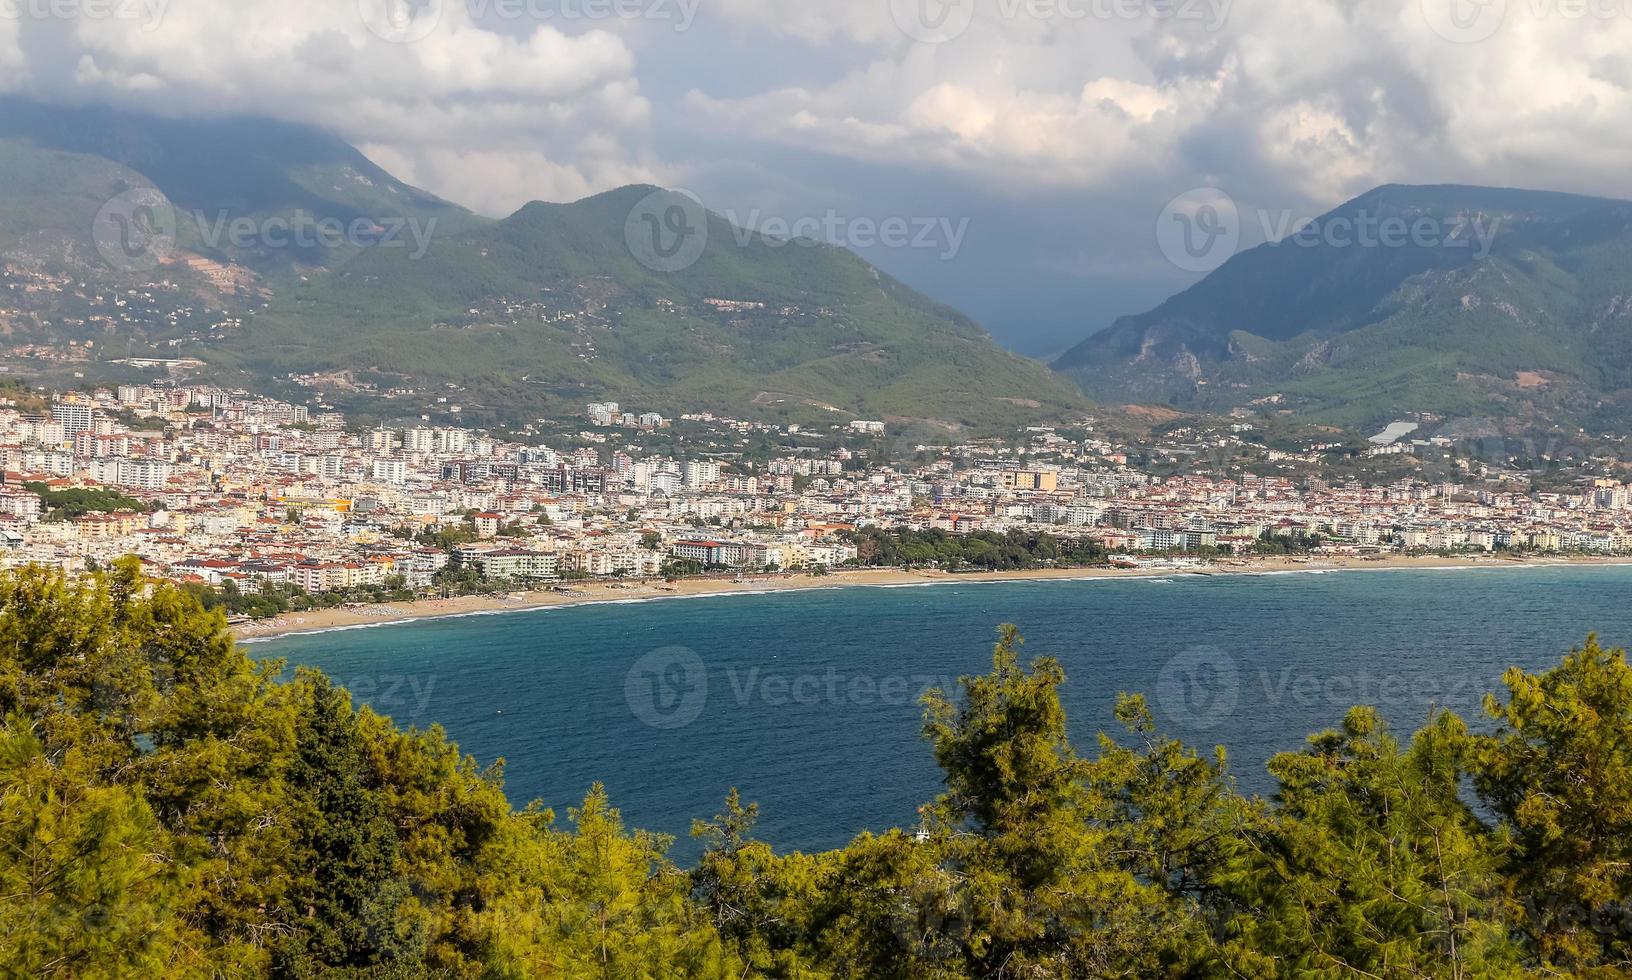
(533, 111)
(867, 22)
(1019, 137)
(1319, 97)
(11, 54)
(487, 177)
(1065, 126)
(1062, 126)
(1322, 97)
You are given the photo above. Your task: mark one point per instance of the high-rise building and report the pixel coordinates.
(419, 440)
(74, 417)
(698, 473)
(392, 471)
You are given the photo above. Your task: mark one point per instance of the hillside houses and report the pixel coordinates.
(214, 486)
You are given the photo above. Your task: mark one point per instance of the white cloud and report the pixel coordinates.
(11, 55)
(862, 21)
(1019, 136)
(1313, 99)
(533, 112)
(1322, 97)
(488, 176)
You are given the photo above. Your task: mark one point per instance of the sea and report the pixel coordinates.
(809, 702)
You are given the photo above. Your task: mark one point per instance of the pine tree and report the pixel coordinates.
(1558, 772)
(345, 892)
(86, 888)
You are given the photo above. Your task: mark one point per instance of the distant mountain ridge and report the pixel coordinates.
(1535, 322)
(65, 162)
(248, 165)
(557, 305)
(506, 321)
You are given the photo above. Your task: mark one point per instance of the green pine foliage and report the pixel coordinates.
(61, 505)
(170, 807)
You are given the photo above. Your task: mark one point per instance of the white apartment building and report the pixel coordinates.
(392, 471)
(697, 473)
(20, 503)
(419, 440)
(74, 417)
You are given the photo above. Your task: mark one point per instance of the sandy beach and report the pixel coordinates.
(580, 593)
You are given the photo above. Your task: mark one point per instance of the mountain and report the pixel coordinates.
(560, 304)
(123, 234)
(1451, 301)
(63, 164)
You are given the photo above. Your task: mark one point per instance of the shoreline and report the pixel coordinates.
(606, 592)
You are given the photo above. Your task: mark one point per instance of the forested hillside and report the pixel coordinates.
(1449, 300)
(558, 305)
(170, 807)
(284, 259)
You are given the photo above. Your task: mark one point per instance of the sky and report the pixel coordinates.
(1020, 160)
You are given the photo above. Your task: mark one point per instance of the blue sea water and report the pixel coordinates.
(808, 701)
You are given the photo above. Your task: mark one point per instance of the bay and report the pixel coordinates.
(808, 701)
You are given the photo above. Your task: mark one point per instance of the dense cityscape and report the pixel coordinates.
(251, 496)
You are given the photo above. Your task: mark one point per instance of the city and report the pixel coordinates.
(908, 489)
(250, 495)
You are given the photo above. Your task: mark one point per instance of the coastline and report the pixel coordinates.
(586, 593)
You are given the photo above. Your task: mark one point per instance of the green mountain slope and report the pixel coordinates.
(551, 308)
(124, 234)
(1514, 304)
(213, 173)
(49, 199)
(507, 320)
